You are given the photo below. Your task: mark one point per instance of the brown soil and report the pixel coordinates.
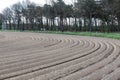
(37, 56)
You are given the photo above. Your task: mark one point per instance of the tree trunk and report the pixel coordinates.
(26, 24)
(47, 22)
(18, 23)
(90, 23)
(41, 22)
(6, 25)
(80, 25)
(96, 27)
(118, 24)
(85, 25)
(53, 24)
(32, 23)
(75, 24)
(69, 24)
(14, 26)
(61, 24)
(9, 24)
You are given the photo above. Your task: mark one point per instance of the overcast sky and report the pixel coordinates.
(7, 3)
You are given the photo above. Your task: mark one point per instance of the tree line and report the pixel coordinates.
(82, 15)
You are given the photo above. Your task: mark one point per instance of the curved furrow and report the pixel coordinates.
(107, 69)
(92, 67)
(39, 62)
(26, 48)
(32, 56)
(43, 62)
(56, 74)
(38, 56)
(79, 66)
(94, 49)
(115, 75)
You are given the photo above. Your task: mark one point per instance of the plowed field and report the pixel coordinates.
(38, 56)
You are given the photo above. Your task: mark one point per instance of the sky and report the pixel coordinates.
(8, 3)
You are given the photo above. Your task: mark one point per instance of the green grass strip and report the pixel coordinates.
(95, 34)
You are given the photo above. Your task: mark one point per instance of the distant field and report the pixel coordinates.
(40, 56)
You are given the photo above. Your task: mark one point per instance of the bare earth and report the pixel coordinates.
(37, 56)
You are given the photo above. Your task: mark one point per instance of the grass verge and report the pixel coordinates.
(95, 34)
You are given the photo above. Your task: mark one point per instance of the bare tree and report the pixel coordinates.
(7, 14)
(17, 9)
